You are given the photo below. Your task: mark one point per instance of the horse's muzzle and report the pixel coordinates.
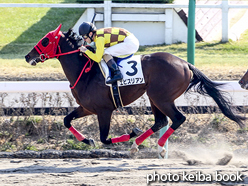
(32, 62)
(243, 84)
(27, 57)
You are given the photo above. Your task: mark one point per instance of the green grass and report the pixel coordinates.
(26, 25)
(231, 54)
(76, 145)
(39, 1)
(22, 28)
(17, 33)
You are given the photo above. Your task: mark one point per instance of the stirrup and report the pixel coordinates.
(115, 78)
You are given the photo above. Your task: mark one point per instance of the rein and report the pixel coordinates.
(62, 54)
(84, 69)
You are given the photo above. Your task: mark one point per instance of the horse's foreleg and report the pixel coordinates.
(79, 112)
(104, 124)
(126, 137)
(104, 117)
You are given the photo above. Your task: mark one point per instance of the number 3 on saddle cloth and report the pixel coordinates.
(131, 70)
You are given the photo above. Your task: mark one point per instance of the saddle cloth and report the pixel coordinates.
(130, 68)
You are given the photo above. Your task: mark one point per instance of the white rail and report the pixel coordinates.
(16, 89)
(63, 86)
(34, 86)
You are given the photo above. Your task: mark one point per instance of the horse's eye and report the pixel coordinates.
(45, 42)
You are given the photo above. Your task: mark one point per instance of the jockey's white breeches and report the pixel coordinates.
(130, 45)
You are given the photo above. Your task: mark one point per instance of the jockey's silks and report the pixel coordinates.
(104, 38)
(112, 35)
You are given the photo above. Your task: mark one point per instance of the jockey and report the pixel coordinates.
(109, 42)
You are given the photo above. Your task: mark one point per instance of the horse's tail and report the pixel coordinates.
(210, 88)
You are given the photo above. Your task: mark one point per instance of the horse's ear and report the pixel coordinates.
(69, 31)
(56, 31)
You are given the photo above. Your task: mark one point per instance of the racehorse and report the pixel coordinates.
(166, 78)
(244, 81)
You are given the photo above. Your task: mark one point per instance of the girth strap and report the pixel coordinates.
(116, 95)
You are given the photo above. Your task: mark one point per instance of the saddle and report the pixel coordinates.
(131, 70)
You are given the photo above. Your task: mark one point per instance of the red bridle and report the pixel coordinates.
(50, 50)
(52, 45)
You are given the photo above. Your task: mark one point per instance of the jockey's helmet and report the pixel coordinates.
(85, 28)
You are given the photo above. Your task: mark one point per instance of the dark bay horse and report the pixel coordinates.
(166, 78)
(244, 81)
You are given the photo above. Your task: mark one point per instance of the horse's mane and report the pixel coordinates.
(74, 38)
(77, 41)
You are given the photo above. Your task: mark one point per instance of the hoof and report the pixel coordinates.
(133, 151)
(137, 131)
(134, 148)
(161, 151)
(92, 142)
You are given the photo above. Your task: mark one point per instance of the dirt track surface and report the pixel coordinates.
(181, 168)
(113, 172)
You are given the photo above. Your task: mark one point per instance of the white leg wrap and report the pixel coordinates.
(161, 151)
(134, 148)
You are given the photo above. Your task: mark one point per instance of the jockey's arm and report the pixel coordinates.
(97, 56)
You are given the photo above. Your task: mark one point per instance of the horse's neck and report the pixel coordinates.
(71, 63)
(70, 70)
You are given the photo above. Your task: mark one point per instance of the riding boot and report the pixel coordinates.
(115, 71)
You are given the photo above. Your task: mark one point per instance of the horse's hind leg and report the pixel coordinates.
(77, 113)
(177, 119)
(160, 121)
(162, 109)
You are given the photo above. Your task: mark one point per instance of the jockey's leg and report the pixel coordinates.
(130, 45)
(77, 113)
(115, 71)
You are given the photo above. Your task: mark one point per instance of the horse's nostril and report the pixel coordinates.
(27, 57)
(241, 82)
